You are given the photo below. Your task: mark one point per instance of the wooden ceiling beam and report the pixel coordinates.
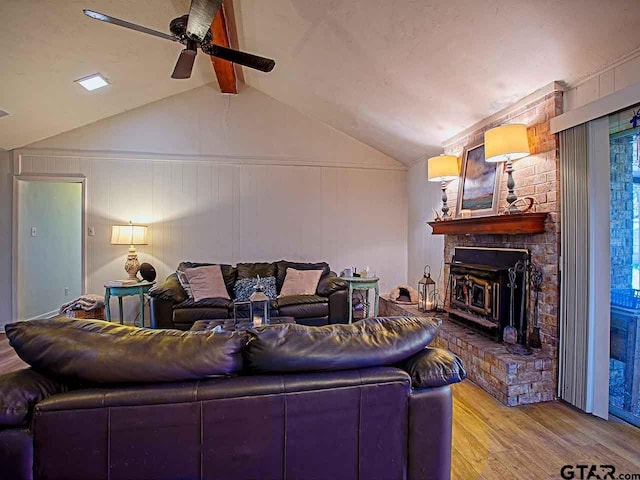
(225, 72)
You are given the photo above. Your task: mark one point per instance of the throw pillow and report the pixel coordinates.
(207, 282)
(184, 283)
(371, 342)
(434, 367)
(100, 352)
(244, 288)
(300, 282)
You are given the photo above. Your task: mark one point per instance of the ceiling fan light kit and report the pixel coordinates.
(193, 31)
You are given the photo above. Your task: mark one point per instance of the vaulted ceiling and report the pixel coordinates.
(401, 76)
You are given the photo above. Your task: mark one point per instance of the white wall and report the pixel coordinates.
(423, 247)
(50, 262)
(230, 179)
(5, 238)
(204, 124)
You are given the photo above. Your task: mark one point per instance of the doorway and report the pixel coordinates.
(48, 244)
(624, 362)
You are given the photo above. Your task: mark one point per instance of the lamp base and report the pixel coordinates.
(445, 206)
(132, 265)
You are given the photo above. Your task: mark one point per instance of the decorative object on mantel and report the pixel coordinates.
(426, 291)
(130, 235)
(526, 202)
(479, 189)
(525, 223)
(443, 169)
(505, 144)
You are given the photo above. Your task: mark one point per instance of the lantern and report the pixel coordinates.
(259, 306)
(426, 292)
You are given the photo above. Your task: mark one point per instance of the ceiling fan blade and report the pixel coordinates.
(241, 58)
(201, 15)
(122, 23)
(184, 65)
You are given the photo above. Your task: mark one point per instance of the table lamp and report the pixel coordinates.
(130, 235)
(505, 144)
(443, 169)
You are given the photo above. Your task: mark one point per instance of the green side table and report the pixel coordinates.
(136, 289)
(365, 284)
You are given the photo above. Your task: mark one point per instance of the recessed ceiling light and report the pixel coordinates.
(93, 82)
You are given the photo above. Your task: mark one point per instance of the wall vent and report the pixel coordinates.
(4, 114)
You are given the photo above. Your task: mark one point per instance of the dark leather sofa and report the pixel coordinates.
(171, 308)
(379, 422)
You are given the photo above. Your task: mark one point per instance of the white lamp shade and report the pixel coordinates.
(442, 168)
(129, 235)
(507, 142)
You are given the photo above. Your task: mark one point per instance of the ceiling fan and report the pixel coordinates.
(193, 31)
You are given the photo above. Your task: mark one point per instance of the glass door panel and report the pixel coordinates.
(624, 362)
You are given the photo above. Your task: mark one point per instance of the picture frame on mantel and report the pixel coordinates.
(479, 187)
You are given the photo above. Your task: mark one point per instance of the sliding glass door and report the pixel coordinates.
(624, 363)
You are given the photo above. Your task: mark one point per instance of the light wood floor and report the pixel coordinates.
(9, 361)
(494, 442)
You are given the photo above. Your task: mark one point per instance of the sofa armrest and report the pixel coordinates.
(430, 434)
(161, 313)
(20, 391)
(339, 307)
(330, 284)
(170, 290)
(434, 367)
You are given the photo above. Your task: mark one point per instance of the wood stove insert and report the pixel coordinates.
(480, 294)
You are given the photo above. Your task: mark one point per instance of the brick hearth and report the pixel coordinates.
(512, 379)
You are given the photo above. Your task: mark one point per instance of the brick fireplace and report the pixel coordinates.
(518, 380)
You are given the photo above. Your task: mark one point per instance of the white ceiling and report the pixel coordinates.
(46, 45)
(405, 75)
(401, 76)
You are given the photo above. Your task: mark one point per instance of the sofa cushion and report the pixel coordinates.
(300, 282)
(229, 273)
(206, 303)
(207, 282)
(282, 265)
(99, 352)
(367, 343)
(184, 283)
(252, 270)
(307, 310)
(290, 300)
(20, 391)
(434, 367)
(244, 288)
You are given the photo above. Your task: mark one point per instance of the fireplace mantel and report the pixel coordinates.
(517, 224)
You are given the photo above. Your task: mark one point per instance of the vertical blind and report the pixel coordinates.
(574, 266)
